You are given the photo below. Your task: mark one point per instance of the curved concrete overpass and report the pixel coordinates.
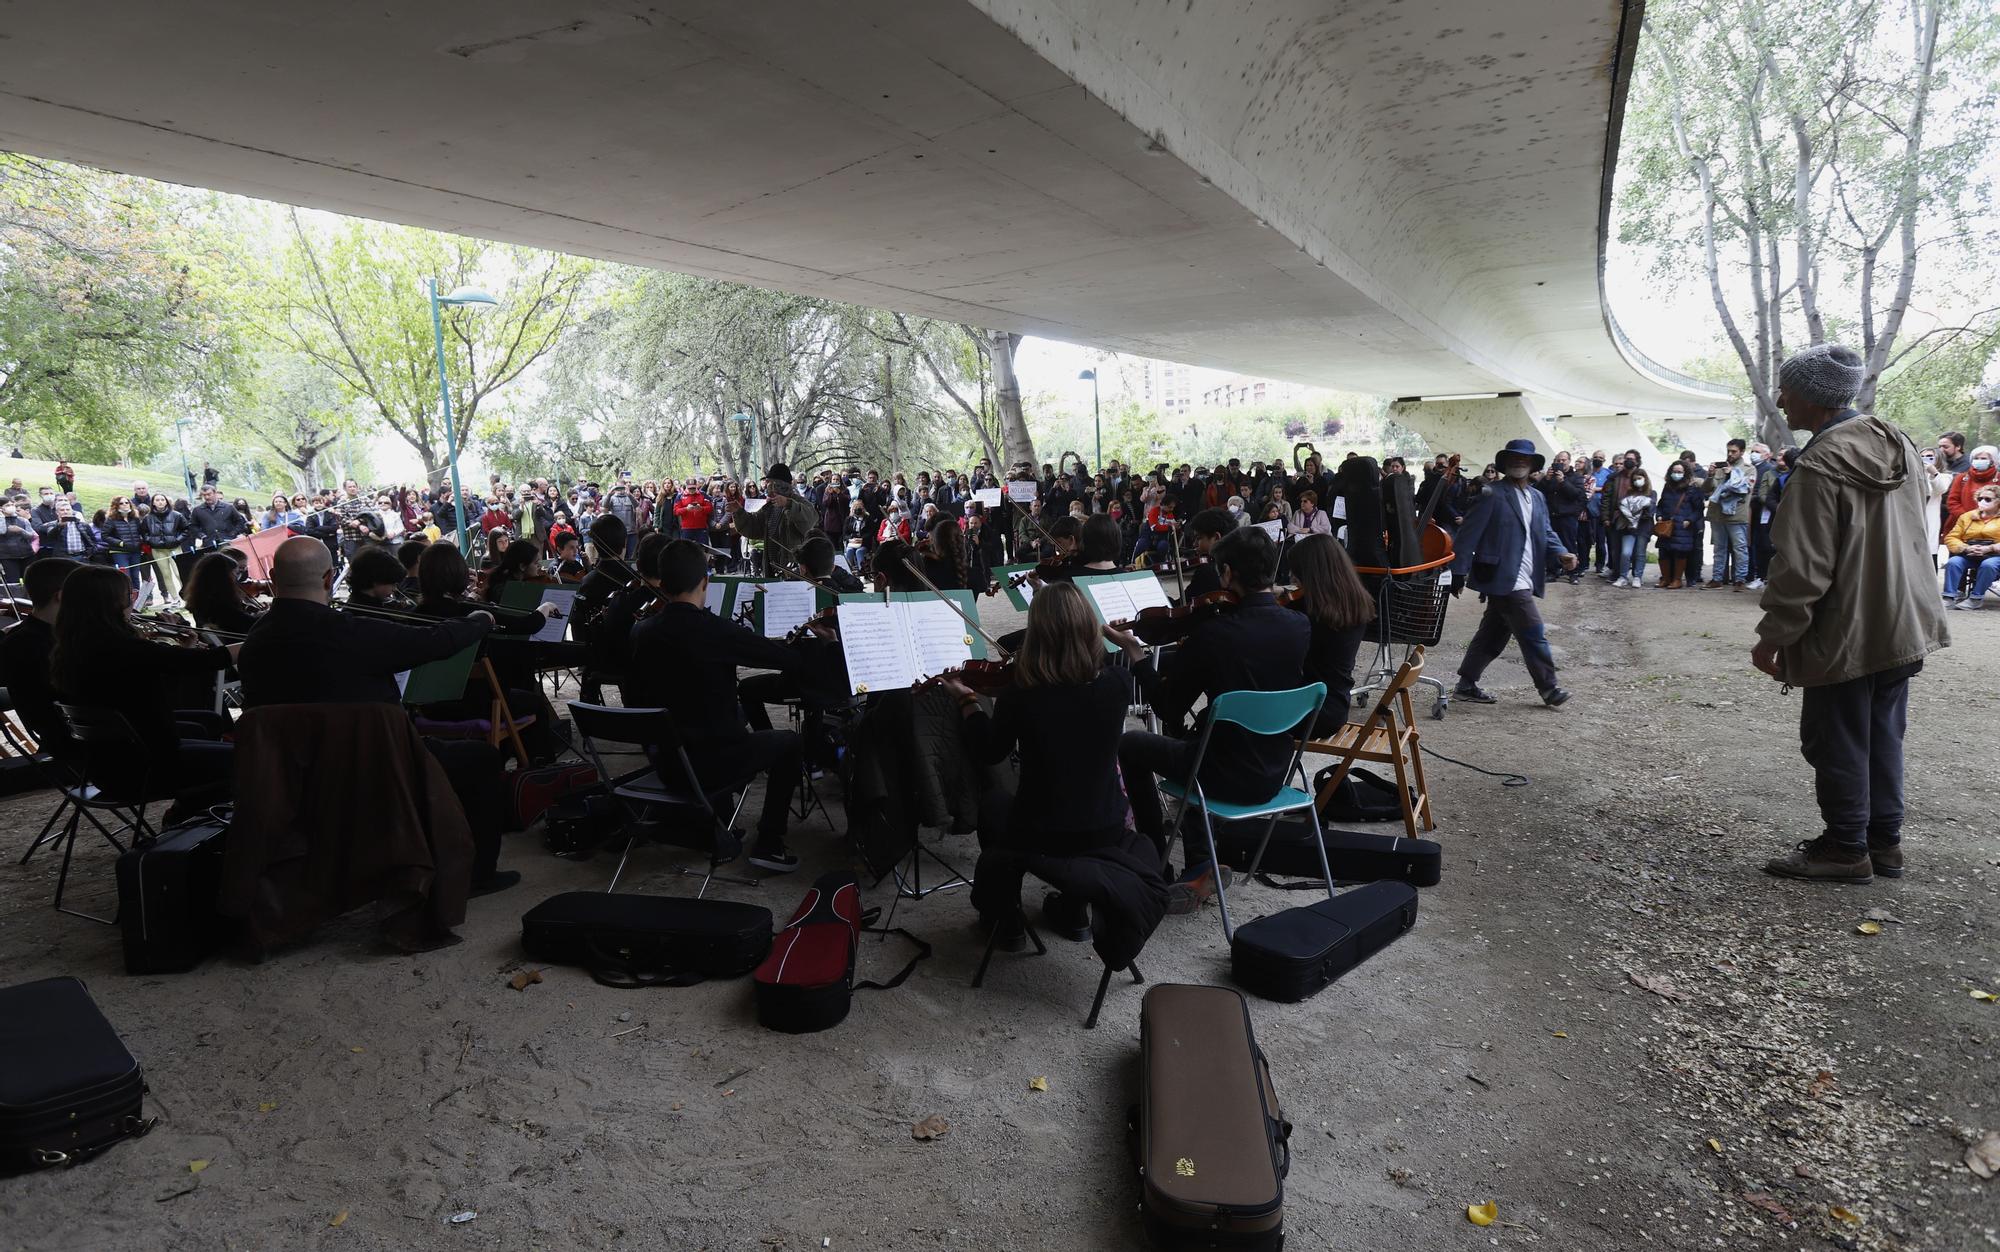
(1397, 196)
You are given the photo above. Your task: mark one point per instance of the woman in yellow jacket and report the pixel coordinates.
(1975, 545)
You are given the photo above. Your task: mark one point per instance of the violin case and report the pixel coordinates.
(806, 982)
(1294, 954)
(1210, 1142)
(1354, 856)
(169, 890)
(68, 1087)
(628, 940)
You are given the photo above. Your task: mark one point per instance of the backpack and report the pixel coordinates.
(806, 982)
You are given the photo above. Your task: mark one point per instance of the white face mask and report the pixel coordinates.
(1982, 463)
(1756, 458)
(1674, 478)
(1235, 508)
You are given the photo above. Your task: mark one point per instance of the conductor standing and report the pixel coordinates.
(1850, 612)
(1503, 547)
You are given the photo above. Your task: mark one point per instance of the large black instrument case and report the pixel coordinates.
(1294, 954)
(68, 1087)
(168, 893)
(635, 940)
(1211, 1144)
(1352, 855)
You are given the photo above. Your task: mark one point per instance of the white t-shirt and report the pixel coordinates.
(1524, 578)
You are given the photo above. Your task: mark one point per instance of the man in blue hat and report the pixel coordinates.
(1503, 546)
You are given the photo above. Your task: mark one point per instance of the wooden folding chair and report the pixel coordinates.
(500, 727)
(1388, 736)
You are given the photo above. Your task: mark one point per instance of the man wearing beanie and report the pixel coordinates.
(785, 521)
(1850, 612)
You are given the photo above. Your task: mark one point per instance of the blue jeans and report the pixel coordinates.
(1630, 559)
(695, 536)
(1732, 541)
(129, 562)
(1982, 579)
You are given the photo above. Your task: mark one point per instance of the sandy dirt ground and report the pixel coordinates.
(1607, 1022)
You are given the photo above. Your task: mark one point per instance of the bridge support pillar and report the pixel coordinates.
(1705, 437)
(1476, 429)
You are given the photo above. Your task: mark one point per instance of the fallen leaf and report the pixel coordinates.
(1882, 915)
(1038, 1084)
(1804, 1171)
(1715, 1146)
(357, 1048)
(1763, 1200)
(930, 1128)
(1560, 1034)
(195, 1167)
(339, 1219)
(1822, 1083)
(1660, 987)
(1482, 1214)
(1983, 1158)
(1399, 1176)
(1984, 997)
(525, 979)
(676, 1107)
(1849, 1216)
(1870, 928)
(267, 1106)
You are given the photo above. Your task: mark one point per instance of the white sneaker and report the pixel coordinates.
(1755, 584)
(1622, 581)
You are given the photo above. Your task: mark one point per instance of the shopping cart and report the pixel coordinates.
(1410, 603)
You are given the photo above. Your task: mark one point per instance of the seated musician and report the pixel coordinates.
(408, 553)
(1257, 645)
(25, 649)
(303, 651)
(567, 564)
(817, 560)
(374, 579)
(215, 598)
(609, 573)
(1091, 547)
(442, 580)
(684, 659)
(101, 660)
(890, 568)
(946, 560)
(1063, 714)
(520, 562)
(1339, 608)
(1204, 530)
(820, 677)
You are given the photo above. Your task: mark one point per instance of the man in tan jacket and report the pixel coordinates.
(1850, 612)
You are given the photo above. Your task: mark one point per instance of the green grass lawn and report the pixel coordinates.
(96, 484)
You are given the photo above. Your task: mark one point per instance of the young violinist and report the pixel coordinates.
(215, 599)
(375, 580)
(442, 580)
(1256, 646)
(103, 661)
(684, 659)
(1063, 714)
(1204, 530)
(1339, 607)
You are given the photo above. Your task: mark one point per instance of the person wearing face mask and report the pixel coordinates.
(1765, 471)
(1849, 613)
(1595, 483)
(1728, 510)
(1500, 552)
(1565, 493)
(1615, 487)
(1974, 542)
(1982, 469)
(1679, 511)
(1634, 524)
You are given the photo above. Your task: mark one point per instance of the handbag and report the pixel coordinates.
(1663, 529)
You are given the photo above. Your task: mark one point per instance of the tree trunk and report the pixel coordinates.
(1007, 391)
(889, 410)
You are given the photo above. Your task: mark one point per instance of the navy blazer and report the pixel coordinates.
(1489, 542)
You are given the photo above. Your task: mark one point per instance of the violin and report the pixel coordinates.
(254, 586)
(824, 624)
(982, 678)
(1043, 569)
(1157, 626)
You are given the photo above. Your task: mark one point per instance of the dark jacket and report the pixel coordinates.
(166, 530)
(122, 535)
(141, 679)
(684, 660)
(1490, 541)
(1257, 646)
(216, 524)
(1069, 797)
(17, 539)
(301, 652)
(1683, 507)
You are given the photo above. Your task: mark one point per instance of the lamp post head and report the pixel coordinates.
(1089, 374)
(468, 297)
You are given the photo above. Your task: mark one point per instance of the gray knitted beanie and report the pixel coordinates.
(1827, 375)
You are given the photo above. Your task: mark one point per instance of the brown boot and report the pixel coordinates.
(1887, 858)
(1824, 860)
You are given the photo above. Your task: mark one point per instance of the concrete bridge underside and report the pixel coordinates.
(1397, 196)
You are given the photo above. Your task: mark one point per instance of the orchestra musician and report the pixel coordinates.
(684, 659)
(1062, 714)
(1258, 645)
(375, 580)
(25, 652)
(303, 651)
(101, 660)
(816, 558)
(215, 598)
(1339, 607)
(1204, 529)
(442, 580)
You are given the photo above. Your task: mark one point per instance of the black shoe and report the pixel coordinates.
(1010, 934)
(770, 854)
(1474, 693)
(498, 880)
(1824, 860)
(1071, 921)
(1887, 859)
(1554, 697)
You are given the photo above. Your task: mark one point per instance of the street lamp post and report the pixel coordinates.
(1096, 415)
(187, 474)
(756, 441)
(460, 297)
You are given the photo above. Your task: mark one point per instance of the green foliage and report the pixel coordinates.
(108, 323)
(1938, 390)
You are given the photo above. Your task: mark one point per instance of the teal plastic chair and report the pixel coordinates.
(1260, 713)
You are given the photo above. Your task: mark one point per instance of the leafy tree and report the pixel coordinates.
(1808, 160)
(354, 303)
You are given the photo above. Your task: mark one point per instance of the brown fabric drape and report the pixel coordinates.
(340, 805)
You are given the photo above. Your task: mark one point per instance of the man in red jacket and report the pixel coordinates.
(693, 509)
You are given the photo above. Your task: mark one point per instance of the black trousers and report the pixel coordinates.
(780, 753)
(477, 772)
(1851, 733)
(1141, 756)
(759, 690)
(1515, 616)
(1006, 849)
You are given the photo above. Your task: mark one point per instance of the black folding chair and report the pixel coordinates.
(644, 791)
(104, 733)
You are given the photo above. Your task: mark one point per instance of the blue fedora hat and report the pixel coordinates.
(1521, 447)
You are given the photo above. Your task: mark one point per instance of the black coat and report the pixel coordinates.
(301, 652)
(216, 524)
(166, 530)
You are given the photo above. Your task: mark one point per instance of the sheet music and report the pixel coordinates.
(787, 606)
(553, 630)
(876, 648)
(717, 594)
(1275, 529)
(989, 496)
(1145, 590)
(752, 503)
(402, 681)
(1339, 509)
(1023, 493)
(940, 639)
